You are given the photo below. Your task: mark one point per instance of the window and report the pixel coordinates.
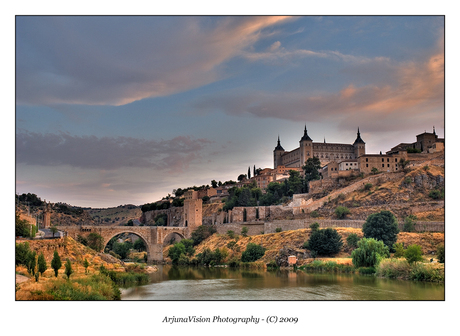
(367, 160)
(383, 160)
(396, 160)
(383, 165)
(388, 159)
(367, 165)
(388, 165)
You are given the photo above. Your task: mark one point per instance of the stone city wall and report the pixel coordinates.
(173, 214)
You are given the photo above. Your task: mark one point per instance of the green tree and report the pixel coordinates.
(139, 245)
(253, 252)
(326, 242)
(413, 253)
(409, 224)
(244, 231)
(122, 249)
(295, 182)
(175, 252)
(56, 263)
(42, 267)
(369, 253)
(374, 170)
(311, 169)
(202, 232)
(95, 241)
(53, 230)
(214, 183)
(31, 262)
(22, 251)
(130, 223)
(403, 163)
(68, 268)
(85, 265)
(399, 250)
(352, 240)
(314, 226)
(341, 212)
(382, 226)
(440, 253)
(22, 228)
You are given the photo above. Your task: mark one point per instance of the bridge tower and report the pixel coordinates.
(46, 215)
(193, 207)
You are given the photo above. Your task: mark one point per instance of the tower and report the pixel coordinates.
(193, 207)
(46, 215)
(277, 154)
(359, 145)
(306, 147)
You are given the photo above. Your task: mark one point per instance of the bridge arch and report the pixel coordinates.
(108, 237)
(172, 237)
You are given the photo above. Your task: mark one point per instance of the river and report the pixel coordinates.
(202, 283)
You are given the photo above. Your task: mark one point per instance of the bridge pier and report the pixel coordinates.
(155, 253)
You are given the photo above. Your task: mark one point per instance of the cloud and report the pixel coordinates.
(107, 153)
(118, 60)
(409, 91)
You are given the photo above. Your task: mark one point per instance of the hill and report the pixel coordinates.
(119, 215)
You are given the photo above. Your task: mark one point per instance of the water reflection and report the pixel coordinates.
(202, 283)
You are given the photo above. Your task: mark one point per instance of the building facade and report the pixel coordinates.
(325, 152)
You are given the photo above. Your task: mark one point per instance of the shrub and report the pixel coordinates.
(425, 272)
(440, 253)
(325, 242)
(175, 252)
(341, 212)
(366, 270)
(95, 241)
(413, 253)
(352, 240)
(368, 186)
(382, 226)
(409, 224)
(202, 232)
(234, 262)
(435, 194)
(314, 214)
(278, 230)
(82, 240)
(231, 234)
(369, 253)
(408, 180)
(56, 263)
(244, 231)
(393, 268)
(314, 226)
(253, 252)
(399, 250)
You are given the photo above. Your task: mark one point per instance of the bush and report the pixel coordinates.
(352, 240)
(440, 253)
(244, 231)
(278, 230)
(409, 224)
(253, 252)
(175, 252)
(399, 250)
(56, 263)
(382, 226)
(368, 186)
(435, 194)
(22, 249)
(326, 242)
(413, 253)
(425, 272)
(393, 268)
(369, 253)
(314, 214)
(68, 269)
(95, 241)
(366, 270)
(41, 264)
(230, 234)
(314, 226)
(341, 212)
(202, 232)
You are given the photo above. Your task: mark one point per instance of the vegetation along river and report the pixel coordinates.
(202, 283)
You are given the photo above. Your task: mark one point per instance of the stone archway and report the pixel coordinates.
(172, 235)
(146, 242)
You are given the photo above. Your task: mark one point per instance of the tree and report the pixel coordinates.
(341, 212)
(244, 231)
(326, 242)
(22, 228)
(139, 245)
(31, 262)
(42, 264)
(314, 226)
(202, 232)
(56, 263)
(409, 224)
(440, 253)
(53, 230)
(311, 169)
(85, 265)
(382, 226)
(241, 177)
(175, 252)
(413, 253)
(403, 163)
(369, 253)
(352, 240)
(253, 252)
(68, 268)
(214, 183)
(130, 223)
(295, 182)
(22, 251)
(95, 241)
(249, 172)
(122, 249)
(374, 170)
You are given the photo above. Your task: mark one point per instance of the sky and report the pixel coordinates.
(114, 110)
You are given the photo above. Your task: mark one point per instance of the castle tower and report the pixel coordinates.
(306, 147)
(359, 145)
(277, 154)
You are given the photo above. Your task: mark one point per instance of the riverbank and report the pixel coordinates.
(99, 280)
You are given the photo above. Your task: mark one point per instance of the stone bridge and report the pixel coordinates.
(153, 236)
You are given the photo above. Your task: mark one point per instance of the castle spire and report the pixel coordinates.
(434, 132)
(278, 146)
(358, 139)
(305, 135)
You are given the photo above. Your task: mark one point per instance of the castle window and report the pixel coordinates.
(367, 160)
(388, 159)
(367, 165)
(388, 165)
(383, 159)
(396, 160)
(383, 165)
